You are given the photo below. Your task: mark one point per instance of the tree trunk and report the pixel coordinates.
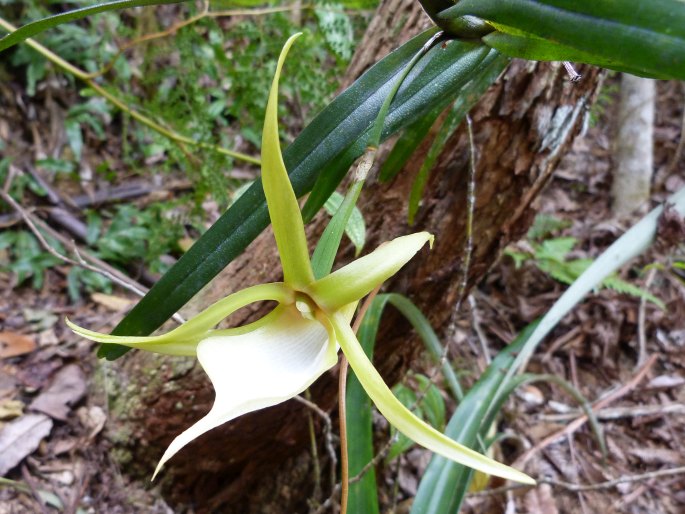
(633, 163)
(260, 462)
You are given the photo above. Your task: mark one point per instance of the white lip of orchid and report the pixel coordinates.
(280, 355)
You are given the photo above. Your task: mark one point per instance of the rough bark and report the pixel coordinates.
(259, 462)
(633, 163)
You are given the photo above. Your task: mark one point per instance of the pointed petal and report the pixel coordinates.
(258, 369)
(284, 210)
(360, 277)
(406, 422)
(184, 339)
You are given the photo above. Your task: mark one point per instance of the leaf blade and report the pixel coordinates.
(36, 27)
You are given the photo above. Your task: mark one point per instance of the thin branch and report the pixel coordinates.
(641, 323)
(470, 209)
(579, 422)
(571, 487)
(100, 267)
(342, 407)
(328, 431)
(620, 412)
(84, 76)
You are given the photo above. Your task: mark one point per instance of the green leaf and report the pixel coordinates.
(336, 27)
(355, 229)
(406, 144)
(643, 37)
(433, 404)
(430, 339)
(490, 69)
(327, 247)
(444, 484)
(631, 244)
(363, 495)
(331, 142)
(464, 60)
(528, 46)
(555, 249)
(38, 26)
(464, 26)
(545, 225)
(621, 286)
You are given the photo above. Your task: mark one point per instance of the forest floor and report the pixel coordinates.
(53, 415)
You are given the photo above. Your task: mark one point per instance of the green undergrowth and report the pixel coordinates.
(553, 255)
(208, 81)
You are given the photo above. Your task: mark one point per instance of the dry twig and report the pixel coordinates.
(96, 265)
(579, 422)
(571, 487)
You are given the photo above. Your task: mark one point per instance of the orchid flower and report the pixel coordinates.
(277, 357)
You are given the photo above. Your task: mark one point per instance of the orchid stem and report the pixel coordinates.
(327, 247)
(342, 414)
(342, 408)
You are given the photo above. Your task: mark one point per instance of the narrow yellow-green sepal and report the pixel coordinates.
(406, 422)
(357, 279)
(184, 339)
(284, 210)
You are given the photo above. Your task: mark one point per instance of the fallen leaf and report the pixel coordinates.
(665, 382)
(64, 445)
(111, 302)
(20, 438)
(47, 338)
(657, 455)
(13, 344)
(10, 409)
(67, 388)
(93, 418)
(531, 394)
(39, 319)
(7, 384)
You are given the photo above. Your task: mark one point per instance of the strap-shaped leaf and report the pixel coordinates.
(341, 125)
(38, 26)
(644, 37)
(363, 495)
(445, 483)
(538, 49)
(489, 70)
(406, 144)
(457, 63)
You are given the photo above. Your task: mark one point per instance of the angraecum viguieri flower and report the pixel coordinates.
(277, 357)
